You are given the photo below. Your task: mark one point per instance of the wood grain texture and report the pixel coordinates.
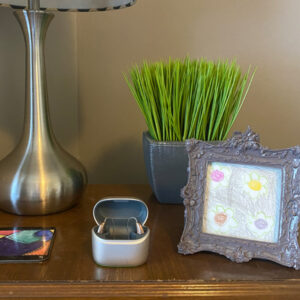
(71, 271)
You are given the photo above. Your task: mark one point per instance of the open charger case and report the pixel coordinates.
(119, 244)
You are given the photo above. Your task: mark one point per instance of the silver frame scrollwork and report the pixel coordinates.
(243, 149)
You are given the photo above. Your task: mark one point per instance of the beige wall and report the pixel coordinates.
(261, 33)
(61, 64)
(98, 119)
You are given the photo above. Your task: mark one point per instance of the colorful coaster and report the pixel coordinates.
(26, 244)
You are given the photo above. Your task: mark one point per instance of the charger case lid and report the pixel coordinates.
(120, 208)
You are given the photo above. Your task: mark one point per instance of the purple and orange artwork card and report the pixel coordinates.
(25, 244)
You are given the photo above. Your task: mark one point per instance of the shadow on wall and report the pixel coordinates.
(12, 83)
(119, 164)
(264, 34)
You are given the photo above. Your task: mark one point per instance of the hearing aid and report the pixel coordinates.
(139, 227)
(101, 227)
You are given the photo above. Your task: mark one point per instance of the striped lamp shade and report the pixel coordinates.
(72, 5)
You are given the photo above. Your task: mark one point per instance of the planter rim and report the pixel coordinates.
(169, 143)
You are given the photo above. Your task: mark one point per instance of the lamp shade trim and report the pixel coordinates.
(72, 5)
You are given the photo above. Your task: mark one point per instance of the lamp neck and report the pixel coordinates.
(33, 4)
(37, 122)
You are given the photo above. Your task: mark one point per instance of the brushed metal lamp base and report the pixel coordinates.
(38, 177)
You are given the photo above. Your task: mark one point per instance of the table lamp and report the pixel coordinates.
(39, 177)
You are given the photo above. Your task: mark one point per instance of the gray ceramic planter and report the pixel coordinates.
(166, 165)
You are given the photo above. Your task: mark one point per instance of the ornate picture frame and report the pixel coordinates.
(252, 190)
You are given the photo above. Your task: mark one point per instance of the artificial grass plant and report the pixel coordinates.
(183, 99)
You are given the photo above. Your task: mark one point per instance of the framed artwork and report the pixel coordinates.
(242, 200)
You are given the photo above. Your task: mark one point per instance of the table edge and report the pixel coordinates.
(149, 289)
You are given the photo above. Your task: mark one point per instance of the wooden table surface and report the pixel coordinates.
(71, 271)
